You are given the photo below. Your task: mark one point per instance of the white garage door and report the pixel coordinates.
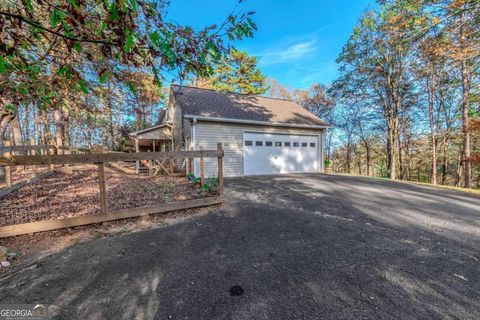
(265, 153)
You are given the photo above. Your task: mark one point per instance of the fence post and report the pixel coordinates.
(190, 166)
(202, 167)
(137, 162)
(150, 166)
(8, 169)
(220, 169)
(103, 189)
(51, 151)
(32, 153)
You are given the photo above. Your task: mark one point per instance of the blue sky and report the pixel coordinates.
(297, 42)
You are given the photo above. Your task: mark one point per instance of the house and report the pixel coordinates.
(259, 135)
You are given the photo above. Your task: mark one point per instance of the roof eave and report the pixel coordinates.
(132, 134)
(254, 122)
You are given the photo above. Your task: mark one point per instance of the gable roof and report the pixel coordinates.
(207, 103)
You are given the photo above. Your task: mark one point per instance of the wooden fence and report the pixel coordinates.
(100, 160)
(7, 150)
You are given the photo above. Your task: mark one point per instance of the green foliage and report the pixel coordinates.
(191, 177)
(236, 73)
(56, 17)
(210, 185)
(103, 76)
(10, 107)
(3, 65)
(38, 39)
(131, 87)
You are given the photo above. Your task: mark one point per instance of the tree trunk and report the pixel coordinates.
(467, 171)
(367, 154)
(359, 161)
(391, 150)
(460, 163)
(400, 159)
(47, 133)
(17, 131)
(110, 110)
(89, 131)
(38, 126)
(465, 127)
(112, 132)
(26, 123)
(347, 164)
(445, 164)
(57, 119)
(431, 102)
(66, 126)
(328, 143)
(5, 119)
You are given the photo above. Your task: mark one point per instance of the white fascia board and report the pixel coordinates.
(133, 134)
(253, 122)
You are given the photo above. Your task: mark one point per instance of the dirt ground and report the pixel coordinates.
(23, 173)
(73, 191)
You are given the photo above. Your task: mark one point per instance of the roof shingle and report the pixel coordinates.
(217, 104)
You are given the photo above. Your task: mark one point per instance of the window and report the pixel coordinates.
(286, 144)
(249, 143)
(268, 143)
(304, 144)
(278, 144)
(259, 143)
(312, 144)
(296, 144)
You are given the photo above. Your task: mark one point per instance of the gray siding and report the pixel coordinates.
(208, 134)
(187, 131)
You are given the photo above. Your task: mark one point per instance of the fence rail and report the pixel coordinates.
(25, 149)
(104, 157)
(33, 150)
(101, 159)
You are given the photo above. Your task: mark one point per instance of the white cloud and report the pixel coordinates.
(289, 54)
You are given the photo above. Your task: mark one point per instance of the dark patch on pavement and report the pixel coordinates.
(236, 291)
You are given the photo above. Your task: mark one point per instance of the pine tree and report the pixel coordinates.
(238, 72)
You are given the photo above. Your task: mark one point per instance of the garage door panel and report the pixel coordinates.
(274, 153)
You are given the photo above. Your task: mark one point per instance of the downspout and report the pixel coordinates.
(193, 142)
(137, 163)
(322, 151)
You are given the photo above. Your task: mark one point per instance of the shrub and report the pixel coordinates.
(210, 185)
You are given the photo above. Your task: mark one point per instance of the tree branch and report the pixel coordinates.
(59, 34)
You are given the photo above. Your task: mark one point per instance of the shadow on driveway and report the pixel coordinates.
(301, 247)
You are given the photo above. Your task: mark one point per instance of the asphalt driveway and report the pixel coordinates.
(300, 247)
